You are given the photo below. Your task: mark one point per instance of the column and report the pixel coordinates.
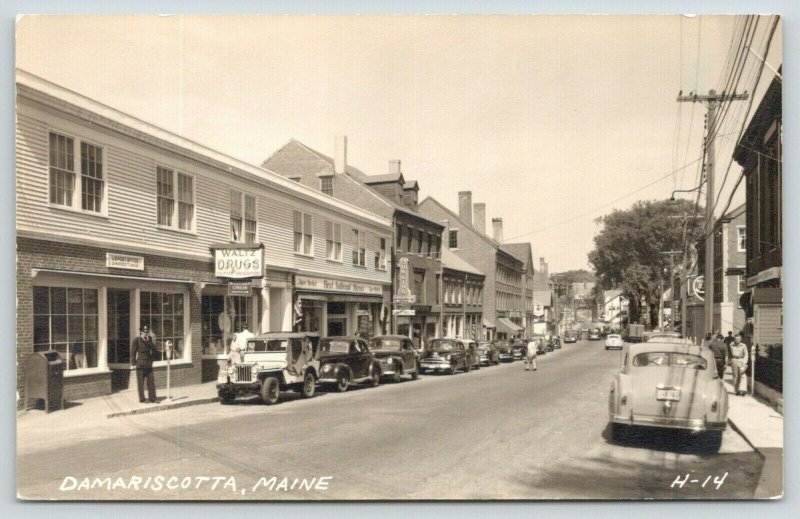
(102, 328)
(288, 324)
(264, 321)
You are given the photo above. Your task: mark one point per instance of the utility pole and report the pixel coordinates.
(672, 254)
(712, 101)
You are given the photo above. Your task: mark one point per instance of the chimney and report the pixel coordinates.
(465, 206)
(340, 154)
(541, 265)
(497, 228)
(480, 217)
(394, 166)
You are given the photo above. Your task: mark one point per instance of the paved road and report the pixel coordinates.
(499, 432)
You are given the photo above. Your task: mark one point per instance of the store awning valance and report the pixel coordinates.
(505, 322)
(341, 298)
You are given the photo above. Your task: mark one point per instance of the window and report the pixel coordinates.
(303, 234)
(742, 286)
(166, 179)
(212, 338)
(741, 235)
(420, 240)
(430, 245)
(243, 217)
(163, 313)
(399, 244)
(359, 248)
(453, 239)
(410, 239)
(326, 185)
(380, 255)
(65, 320)
(333, 241)
(62, 174)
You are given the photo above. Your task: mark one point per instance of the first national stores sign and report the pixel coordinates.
(232, 262)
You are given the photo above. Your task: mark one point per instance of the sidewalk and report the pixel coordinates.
(762, 427)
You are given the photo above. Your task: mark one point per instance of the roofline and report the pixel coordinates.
(52, 95)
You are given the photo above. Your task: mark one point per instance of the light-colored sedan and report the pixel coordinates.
(614, 340)
(668, 383)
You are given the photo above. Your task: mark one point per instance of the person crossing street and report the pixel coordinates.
(530, 356)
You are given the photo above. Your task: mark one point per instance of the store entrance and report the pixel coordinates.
(336, 326)
(118, 332)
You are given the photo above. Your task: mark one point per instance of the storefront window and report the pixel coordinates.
(312, 312)
(65, 320)
(163, 313)
(365, 322)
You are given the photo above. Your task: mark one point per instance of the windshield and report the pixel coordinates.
(387, 344)
(334, 346)
(674, 360)
(262, 346)
(440, 345)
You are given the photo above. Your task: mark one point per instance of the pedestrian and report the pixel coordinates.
(720, 350)
(707, 341)
(530, 355)
(739, 357)
(240, 343)
(144, 352)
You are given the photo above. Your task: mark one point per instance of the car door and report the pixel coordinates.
(361, 358)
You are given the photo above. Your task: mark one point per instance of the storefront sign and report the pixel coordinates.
(404, 313)
(239, 263)
(239, 288)
(764, 275)
(336, 285)
(124, 261)
(403, 295)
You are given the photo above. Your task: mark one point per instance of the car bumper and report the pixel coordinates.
(240, 387)
(506, 358)
(436, 366)
(613, 346)
(686, 424)
(327, 380)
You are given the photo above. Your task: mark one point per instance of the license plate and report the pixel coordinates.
(668, 394)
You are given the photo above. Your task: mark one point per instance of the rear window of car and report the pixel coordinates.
(387, 344)
(335, 346)
(669, 359)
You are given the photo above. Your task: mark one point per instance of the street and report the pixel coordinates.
(497, 433)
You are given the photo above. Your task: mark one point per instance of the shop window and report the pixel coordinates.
(399, 244)
(359, 248)
(333, 241)
(174, 215)
(312, 312)
(63, 189)
(163, 313)
(65, 320)
(303, 233)
(243, 218)
(336, 308)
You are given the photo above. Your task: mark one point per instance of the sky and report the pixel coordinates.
(552, 121)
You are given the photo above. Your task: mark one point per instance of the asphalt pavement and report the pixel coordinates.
(497, 433)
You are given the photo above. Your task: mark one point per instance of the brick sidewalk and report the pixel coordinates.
(762, 427)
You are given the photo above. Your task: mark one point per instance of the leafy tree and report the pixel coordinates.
(628, 249)
(574, 276)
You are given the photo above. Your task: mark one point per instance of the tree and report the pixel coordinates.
(628, 249)
(574, 276)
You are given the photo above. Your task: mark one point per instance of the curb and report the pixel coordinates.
(164, 407)
(746, 439)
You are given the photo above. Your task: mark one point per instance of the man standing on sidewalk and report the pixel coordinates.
(739, 359)
(720, 350)
(144, 351)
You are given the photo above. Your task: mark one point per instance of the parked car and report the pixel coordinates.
(518, 349)
(473, 356)
(347, 360)
(594, 334)
(555, 343)
(271, 363)
(488, 353)
(669, 384)
(614, 340)
(570, 337)
(503, 350)
(397, 356)
(445, 356)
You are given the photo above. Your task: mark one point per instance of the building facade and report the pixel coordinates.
(120, 224)
(462, 295)
(759, 153)
(503, 303)
(412, 255)
(531, 311)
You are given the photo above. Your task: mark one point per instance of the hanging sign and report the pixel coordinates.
(403, 296)
(239, 288)
(239, 262)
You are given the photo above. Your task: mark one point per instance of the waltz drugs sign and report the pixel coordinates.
(238, 262)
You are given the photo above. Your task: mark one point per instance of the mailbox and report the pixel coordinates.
(44, 379)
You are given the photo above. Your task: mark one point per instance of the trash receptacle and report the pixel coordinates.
(44, 379)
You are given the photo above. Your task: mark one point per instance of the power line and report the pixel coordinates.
(585, 213)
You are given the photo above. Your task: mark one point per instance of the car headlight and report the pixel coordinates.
(390, 360)
(327, 368)
(255, 369)
(230, 370)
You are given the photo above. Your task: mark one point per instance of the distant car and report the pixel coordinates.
(445, 356)
(669, 384)
(556, 343)
(488, 353)
(347, 360)
(397, 356)
(518, 349)
(594, 335)
(614, 340)
(570, 337)
(503, 350)
(473, 356)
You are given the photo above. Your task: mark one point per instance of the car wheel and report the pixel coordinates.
(397, 377)
(309, 386)
(415, 375)
(466, 368)
(342, 382)
(375, 377)
(270, 390)
(620, 432)
(710, 442)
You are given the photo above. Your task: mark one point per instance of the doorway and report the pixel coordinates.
(336, 326)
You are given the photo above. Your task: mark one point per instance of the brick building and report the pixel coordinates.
(462, 296)
(413, 253)
(120, 223)
(503, 295)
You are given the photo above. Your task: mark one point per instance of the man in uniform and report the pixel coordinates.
(144, 352)
(720, 350)
(739, 359)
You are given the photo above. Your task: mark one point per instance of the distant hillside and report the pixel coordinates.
(574, 276)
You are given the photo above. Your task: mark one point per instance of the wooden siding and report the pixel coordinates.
(130, 172)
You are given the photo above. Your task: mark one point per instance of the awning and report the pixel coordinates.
(505, 322)
(488, 324)
(36, 271)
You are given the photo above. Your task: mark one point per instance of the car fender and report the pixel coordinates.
(376, 367)
(715, 392)
(339, 368)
